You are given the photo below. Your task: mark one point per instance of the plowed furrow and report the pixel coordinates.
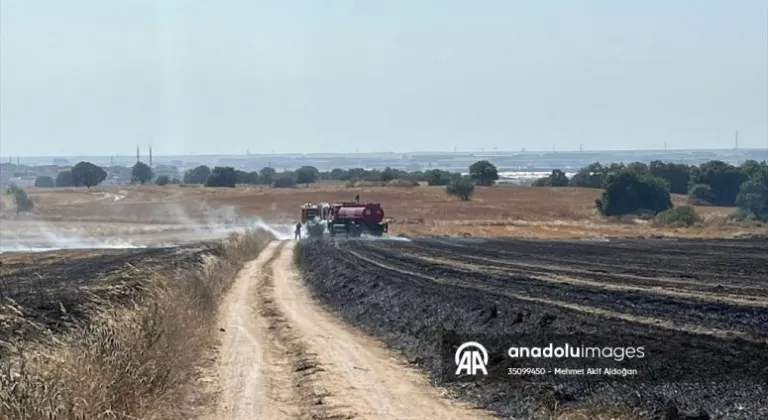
(539, 274)
(513, 266)
(747, 319)
(669, 324)
(715, 262)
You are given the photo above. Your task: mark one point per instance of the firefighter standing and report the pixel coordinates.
(297, 234)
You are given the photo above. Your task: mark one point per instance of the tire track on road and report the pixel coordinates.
(302, 384)
(243, 356)
(285, 357)
(357, 370)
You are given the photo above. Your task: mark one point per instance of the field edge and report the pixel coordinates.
(145, 359)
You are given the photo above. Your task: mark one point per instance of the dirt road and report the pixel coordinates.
(285, 357)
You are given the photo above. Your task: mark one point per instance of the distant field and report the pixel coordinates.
(506, 210)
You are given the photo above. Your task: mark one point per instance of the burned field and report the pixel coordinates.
(52, 291)
(699, 309)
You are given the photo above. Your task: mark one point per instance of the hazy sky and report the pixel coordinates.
(189, 76)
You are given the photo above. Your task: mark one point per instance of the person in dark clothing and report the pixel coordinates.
(297, 234)
(357, 198)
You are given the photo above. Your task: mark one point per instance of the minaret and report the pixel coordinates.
(137, 154)
(150, 156)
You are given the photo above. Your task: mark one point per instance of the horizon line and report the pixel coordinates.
(469, 152)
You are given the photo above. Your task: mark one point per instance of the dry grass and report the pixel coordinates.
(128, 361)
(504, 210)
(501, 202)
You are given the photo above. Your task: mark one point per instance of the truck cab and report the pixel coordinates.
(309, 212)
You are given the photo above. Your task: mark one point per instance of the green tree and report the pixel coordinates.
(677, 216)
(373, 175)
(284, 180)
(559, 179)
(677, 175)
(462, 188)
(628, 192)
(87, 174)
(163, 180)
(248, 178)
(723, 178)
(44, 182)
(418, 176)
(437, 177)
(483, 173)
(222, 176)
(65, 179)
(753, 195)
(556, 179)
(307, 175)
(338, 174)
(388, 174)
(356, 173)
(702, 194)
(20, 198)
(141, 173)
(197, 175)
(590, 176)
(638, 167)
(267, 175)
(751, 167)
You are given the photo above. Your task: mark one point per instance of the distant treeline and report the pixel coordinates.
(481, 172)
(628, 187)
(640, 186)
(714, 182)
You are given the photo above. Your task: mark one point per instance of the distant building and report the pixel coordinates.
(168, 170)
(117, 175)
(23, 181)
(112, 180)
(49, 170)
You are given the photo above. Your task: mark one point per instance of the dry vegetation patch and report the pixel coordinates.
(502, 210)
(128, 343)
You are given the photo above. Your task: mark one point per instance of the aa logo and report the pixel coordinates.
(471, 357)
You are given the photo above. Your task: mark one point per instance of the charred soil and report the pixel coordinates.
(119, 334)
(59, 288)
(700, 309)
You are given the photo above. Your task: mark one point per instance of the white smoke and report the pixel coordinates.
(39, 236)
(222, 221)
(178, 227)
